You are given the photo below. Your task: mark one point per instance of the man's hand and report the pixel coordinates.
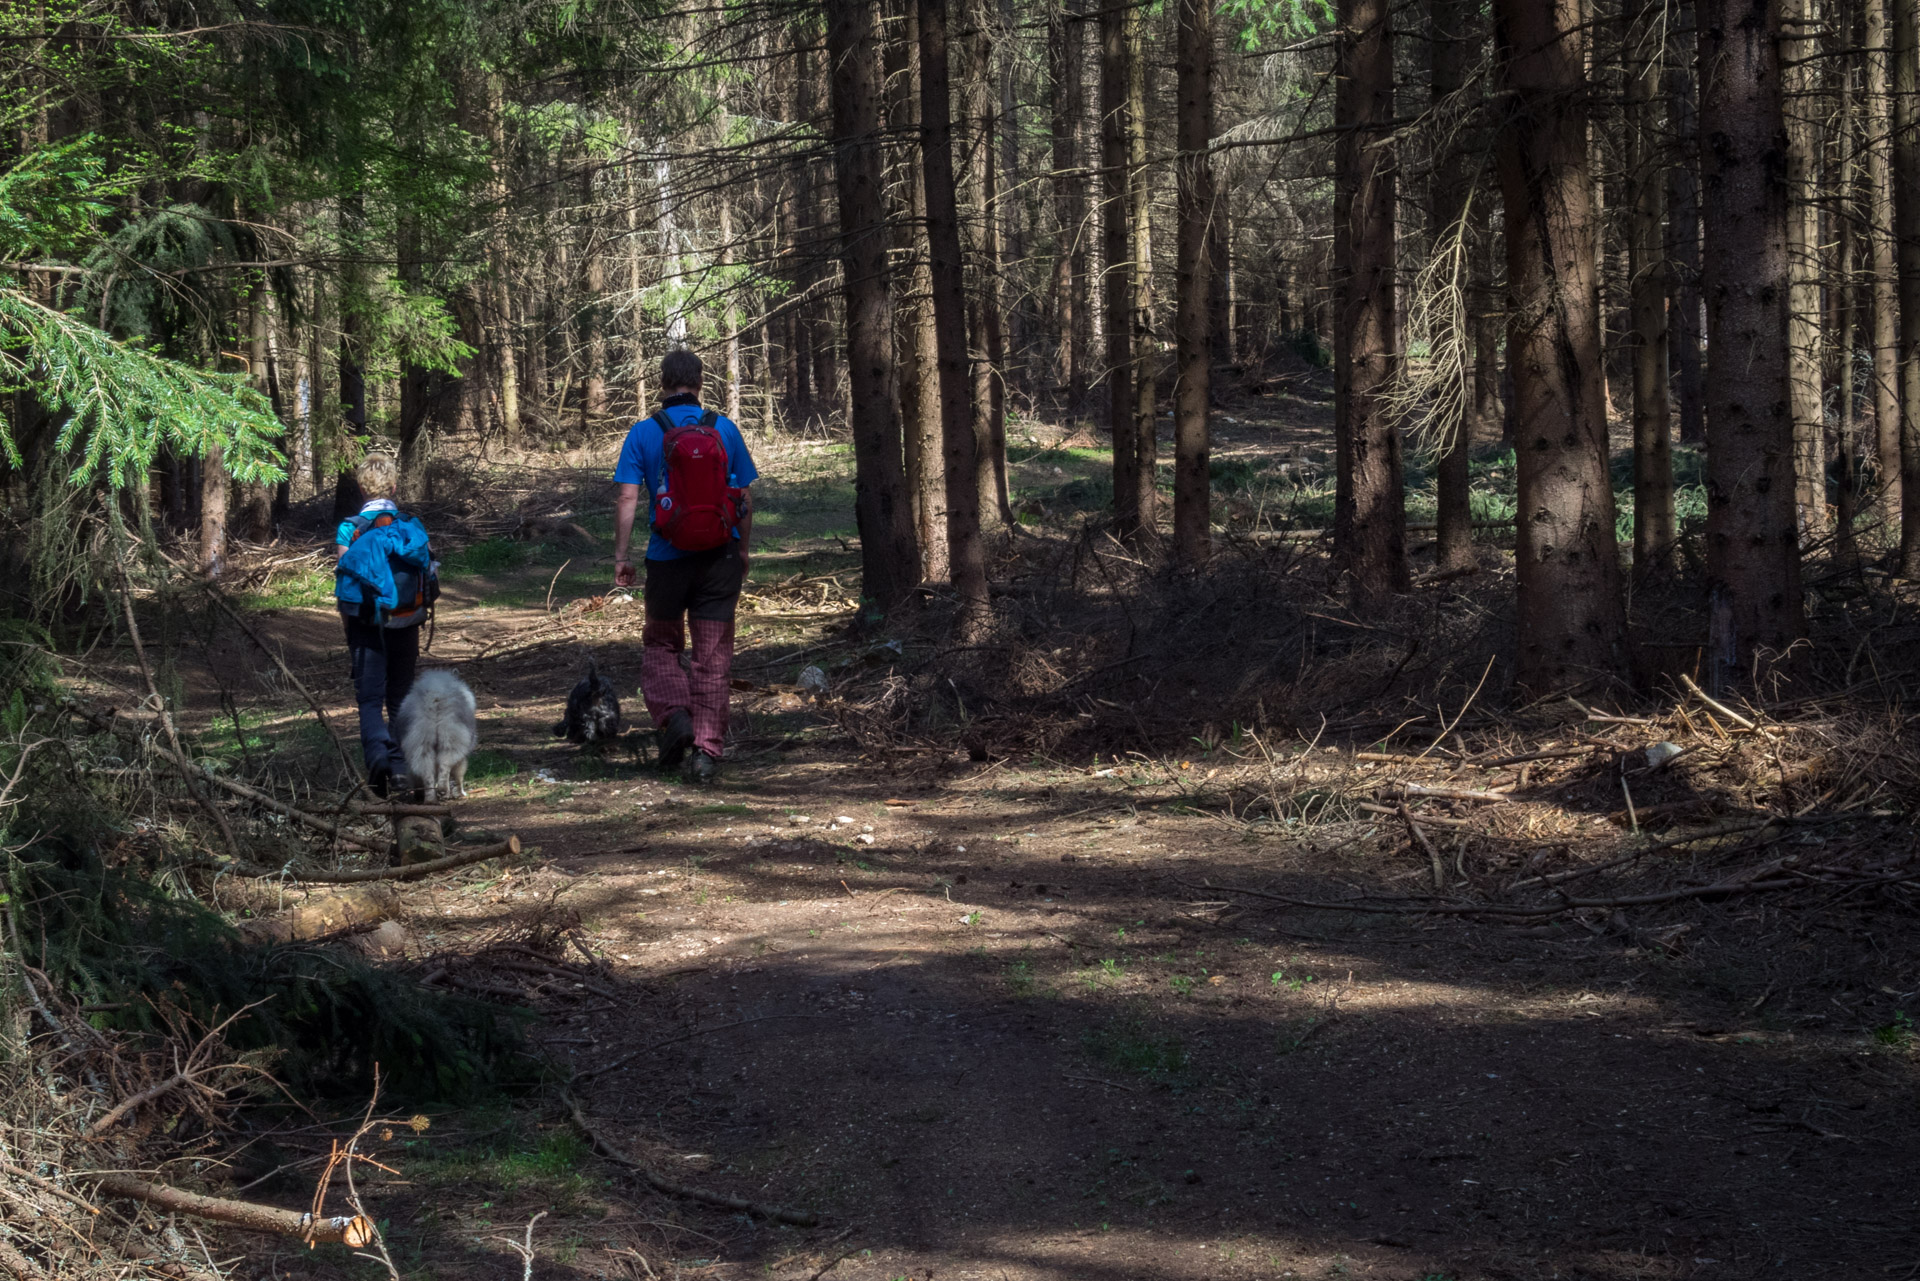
(746, 560)
(623, 573)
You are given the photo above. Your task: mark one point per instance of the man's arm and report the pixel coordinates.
(623, 509)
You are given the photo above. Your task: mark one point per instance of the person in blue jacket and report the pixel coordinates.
(384, 582)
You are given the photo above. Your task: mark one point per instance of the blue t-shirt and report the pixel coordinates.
(643, 463)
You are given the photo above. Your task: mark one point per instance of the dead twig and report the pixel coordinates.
(1439, 872)
(660, 1183)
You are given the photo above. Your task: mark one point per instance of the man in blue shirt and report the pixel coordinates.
(695, 592)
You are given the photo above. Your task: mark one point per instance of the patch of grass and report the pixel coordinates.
(723, 809)
(490, 763)
(304, 590)
(1021, 979)
(490, 556)
(1132, 1047)
(1900, 1034)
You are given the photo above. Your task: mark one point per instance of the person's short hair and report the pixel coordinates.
(379, 476)
(681, 369)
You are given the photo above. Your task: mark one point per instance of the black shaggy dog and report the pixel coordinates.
(593, 712)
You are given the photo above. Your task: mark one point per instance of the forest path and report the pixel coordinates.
(987, 1021)
(975, 1016)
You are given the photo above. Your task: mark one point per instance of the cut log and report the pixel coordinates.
(352, 1231)
(325, 914)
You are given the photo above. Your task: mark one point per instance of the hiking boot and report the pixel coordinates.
(675, 737)
(702, 768)
(380, 780)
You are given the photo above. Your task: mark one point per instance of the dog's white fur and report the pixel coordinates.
(438, 733)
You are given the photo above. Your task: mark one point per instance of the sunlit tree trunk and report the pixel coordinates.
(1453, 52)
(1370, 519)
(915, 343)
(1145, 345)
(1069, 201)
(1572, 617)
(1192, 537)
(1803, 272)
(1116, 278)
(1883, 262)
(965, 553)
(1753, 560)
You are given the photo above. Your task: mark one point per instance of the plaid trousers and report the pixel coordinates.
(702, 688)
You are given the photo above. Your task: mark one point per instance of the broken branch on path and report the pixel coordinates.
(352, 1231)
(355, 876)
(1439, 870)
(660, 1183)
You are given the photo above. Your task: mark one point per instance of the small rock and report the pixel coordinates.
(799, 820)
(1661, 753)
(389, 938)
(844, 819)
(864, 839)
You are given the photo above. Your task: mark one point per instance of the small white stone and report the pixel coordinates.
(844, 819)
(864, 839)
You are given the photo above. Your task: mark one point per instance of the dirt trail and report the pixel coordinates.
(993, 1032)
(988, 1021)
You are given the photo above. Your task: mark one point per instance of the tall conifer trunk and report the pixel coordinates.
(1370, 519)
(965, 554)
(1069, 203)
(1803, 272)
(1753, 560)
(1192, 490)
(1146, 451)
(1116, 279)
(1453, 53)
(1647, 290)
(919, 357)
(1906, 221)
(1683, 241)
(1883, 261)
(1572, 617)
(889, 561)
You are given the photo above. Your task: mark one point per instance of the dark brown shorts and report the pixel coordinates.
(704, 585)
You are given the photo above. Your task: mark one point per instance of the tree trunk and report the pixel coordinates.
(730, 314)
(1753, 561)
(1906, 215)
(500, 255)
(1454, 51)
(256, 504)
(965, 552)
(1572, 619)
(998, 506)
(1116, 280)
(1846, 323)
(1803, 273)
(919, 356)
(1370, 518)
(593, 328)
(1192, 490)
(1145, 347)
(1683, 247)
(1647, 290)
(1885, 271)
(889, 563)
(353, 409)
(1069, 204)
(213, 513)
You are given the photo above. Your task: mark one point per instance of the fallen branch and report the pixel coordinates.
(352, 1231)
(48, 1186)
(356, 876)
(660, 1183)
(1453, 793)
(1718, 706)
(180, 762)
(1433, 855)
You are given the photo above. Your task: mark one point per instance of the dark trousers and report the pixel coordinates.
(697, 593)
(383, 660)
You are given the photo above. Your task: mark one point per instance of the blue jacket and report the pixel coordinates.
(365, 571)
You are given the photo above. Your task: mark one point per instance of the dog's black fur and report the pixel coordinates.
(593, 711)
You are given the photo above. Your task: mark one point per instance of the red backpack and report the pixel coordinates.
(695, 509)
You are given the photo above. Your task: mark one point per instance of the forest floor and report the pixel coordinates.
(985, 1018)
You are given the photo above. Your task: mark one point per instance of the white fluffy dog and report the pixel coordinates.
(438, 733)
